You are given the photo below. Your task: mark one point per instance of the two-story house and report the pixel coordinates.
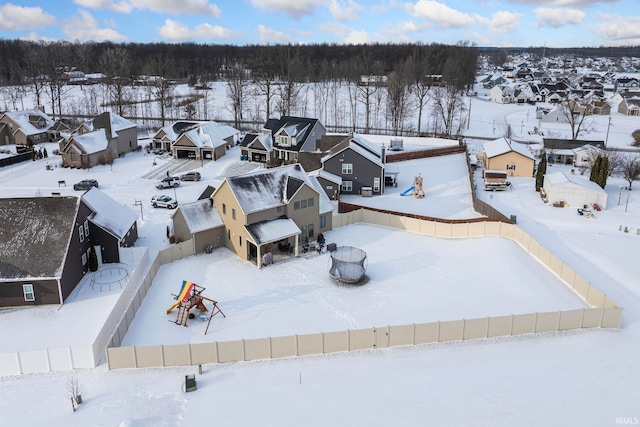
(271, 210)
(358, 163)
(294, 135)
(107, 135)
(45, 244)
(26, 127)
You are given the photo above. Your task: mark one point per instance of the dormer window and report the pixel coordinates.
(284, 140)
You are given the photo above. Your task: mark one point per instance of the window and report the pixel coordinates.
(376, 184)
(296, 206)
(84, 259)
(303, 204)
(27, 290)
(347, 186)
(233, 213)
(304, 232)
(511, 167)
(86, 227)
(81, 233)
(347, 168)
(323, 221)
(279, 209)
(73, 156)
(310, 202)
(224, 209)
(240, 240)
(310, 229)
(88, 253)
(229, 234)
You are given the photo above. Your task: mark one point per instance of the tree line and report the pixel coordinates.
(398, 78)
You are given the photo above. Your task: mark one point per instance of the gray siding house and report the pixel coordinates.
(358, 163)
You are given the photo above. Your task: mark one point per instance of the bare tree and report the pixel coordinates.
(236, 85)
(447, 103)
(420, 86)
(290, 70)
(576, 113)
(116, 65)
(630, 170)
(159, 87)
(34, 73)
(369, 82)
(398, 93)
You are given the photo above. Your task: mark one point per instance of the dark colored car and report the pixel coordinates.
(190, 176)
(85, 184)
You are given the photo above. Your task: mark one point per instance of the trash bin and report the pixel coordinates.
(208, 249)
(514, 219)
(190, 383)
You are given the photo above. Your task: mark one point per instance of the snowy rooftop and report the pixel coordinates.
(561, 177)
(92, 142)
(272, 230)
(503, 145)
(23, 119)
(200, 215)
(110, 215)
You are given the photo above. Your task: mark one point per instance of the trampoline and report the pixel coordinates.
(347, 264)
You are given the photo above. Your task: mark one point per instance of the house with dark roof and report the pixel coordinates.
(45, 244)
(271, 211)
(44, 249)
(294, 135)
(258, 147)
(358, 164)
(105, 137)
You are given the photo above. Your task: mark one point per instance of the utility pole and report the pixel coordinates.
(469, 118)
(606, 141)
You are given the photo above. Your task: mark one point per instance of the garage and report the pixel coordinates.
(574, 190)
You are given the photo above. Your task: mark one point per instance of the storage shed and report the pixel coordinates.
(574, 190)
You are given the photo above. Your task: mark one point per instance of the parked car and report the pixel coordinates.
(163, 201)
(168, 182)
(157, 151)
(85, 184)
(191, 155)
(190, 176)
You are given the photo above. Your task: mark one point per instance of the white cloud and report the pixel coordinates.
(34, 37)
(401, 32)
(619, 28)
(15, 18)
(270, 35)
(558, 17)
(575, 3)
(345, 12)
(347, 34)
(114, 6)
(294, 8)
(175, 31)
(85, 27)
(178, 7)
(501, 22)
(439, 13)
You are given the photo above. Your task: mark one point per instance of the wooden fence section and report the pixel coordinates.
(422, 154)
(603, 313)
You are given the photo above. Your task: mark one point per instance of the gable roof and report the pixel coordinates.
(112, 122)
(501, 146)
(34, 236)
(360, 145)
(200, 215)
(25, 118)
(267, 188)
(325, 205)
(300, 127)
(92, 142)
(108, 214)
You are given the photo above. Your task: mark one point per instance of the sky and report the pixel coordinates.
(507, 23)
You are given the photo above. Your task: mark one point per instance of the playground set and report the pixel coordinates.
(416, 189)
(191, 296)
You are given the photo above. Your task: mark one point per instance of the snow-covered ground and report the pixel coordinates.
(581, 378)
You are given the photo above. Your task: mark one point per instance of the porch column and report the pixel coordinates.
(259, 254)
(296, 246)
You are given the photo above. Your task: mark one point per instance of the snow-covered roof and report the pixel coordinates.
(321, 173)
(200, 215)
(557, 178)
(25, 118)
(501, 146)
(361, 146)
(325, 205)
(109, 214)
(92, 142)
(267, 188)
(272, 230)
(211, 134)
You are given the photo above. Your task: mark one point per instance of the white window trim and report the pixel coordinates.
(27, 289)
(81, 233)
(86, 227)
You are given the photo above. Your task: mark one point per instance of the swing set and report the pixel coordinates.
(190, 296)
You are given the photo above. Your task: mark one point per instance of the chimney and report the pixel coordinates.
(41, 108)
(383, 154)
